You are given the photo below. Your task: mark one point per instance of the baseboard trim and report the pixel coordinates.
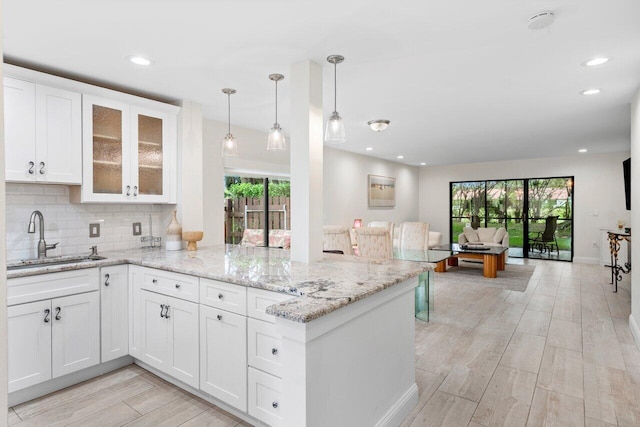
(401, 409)
(586, 260)
(635, 330)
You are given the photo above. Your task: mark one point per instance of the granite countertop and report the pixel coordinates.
(321, 287)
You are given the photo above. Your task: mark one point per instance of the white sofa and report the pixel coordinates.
(489, 236)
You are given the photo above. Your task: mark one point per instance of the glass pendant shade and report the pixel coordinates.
(334, 133)
(276, 141)
(229, 146)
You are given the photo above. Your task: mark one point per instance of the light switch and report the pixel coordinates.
(94, 230)
(137, 228)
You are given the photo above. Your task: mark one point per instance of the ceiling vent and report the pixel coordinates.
(541, 20)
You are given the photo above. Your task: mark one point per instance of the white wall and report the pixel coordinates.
(68, 223)
(635, 216)
(3, 279)
(598, 192)
(345, 189)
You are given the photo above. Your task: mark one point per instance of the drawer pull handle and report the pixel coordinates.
(274, 351)
(219, 316)
(58, 310)
(161, 310)
(106, 280)
(154, 281)
(220, 296)
(46, 315)
(275, 405)
(177, 285)
(31, 165)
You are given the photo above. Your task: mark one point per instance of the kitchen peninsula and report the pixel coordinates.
(271, 340)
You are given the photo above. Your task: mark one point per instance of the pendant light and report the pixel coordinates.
(229, 145)
(276, 141)
(334, 132)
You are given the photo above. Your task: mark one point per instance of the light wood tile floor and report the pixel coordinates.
(559, 353)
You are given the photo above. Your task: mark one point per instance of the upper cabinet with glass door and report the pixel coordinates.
(129, 151)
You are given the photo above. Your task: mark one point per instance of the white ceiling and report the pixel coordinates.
(461, 81)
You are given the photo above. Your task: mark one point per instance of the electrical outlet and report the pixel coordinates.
(137, 228)
(94, 230)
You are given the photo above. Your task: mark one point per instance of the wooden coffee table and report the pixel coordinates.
(493, 258)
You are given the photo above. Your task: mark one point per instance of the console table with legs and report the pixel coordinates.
(616, 237)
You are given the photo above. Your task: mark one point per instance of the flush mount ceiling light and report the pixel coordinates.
(582, 150)
(334, 133)
(594, 62)
(588, 92)
(378, 125)
(140, 60)
(541, 20)
(276, 141)
(229, 145)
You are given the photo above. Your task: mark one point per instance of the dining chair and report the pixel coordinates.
(387, 225)
(374, 242)
(336, 238)
(414, 235)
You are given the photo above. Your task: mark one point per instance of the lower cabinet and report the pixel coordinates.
(51, 338)
(265, 391)
(223, 356)
(168, 335)
(114, 312)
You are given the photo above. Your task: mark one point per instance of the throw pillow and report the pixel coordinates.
(471, 235)
(486, 234)
(500, 233)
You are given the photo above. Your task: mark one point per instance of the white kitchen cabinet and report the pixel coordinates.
(75, 335)
(29, 344)
(223, 356)
(265, 397)
(114, 312)
(129, 152)
(43, 138)
(168, 336)
(51, 338)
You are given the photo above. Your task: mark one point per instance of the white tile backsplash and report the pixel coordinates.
(68, 223)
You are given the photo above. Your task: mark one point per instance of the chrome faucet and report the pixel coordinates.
(42, 244)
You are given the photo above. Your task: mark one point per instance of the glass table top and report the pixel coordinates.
(457, 248)
(421, 255)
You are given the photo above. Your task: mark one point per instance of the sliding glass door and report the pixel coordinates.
(523, 207)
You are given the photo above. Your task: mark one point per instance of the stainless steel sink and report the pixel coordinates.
(46, 262)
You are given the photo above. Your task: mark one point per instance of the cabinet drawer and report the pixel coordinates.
(258, 300)
(226, 296)
(52, 285)
(265, 392)
(264, 347)
(172, 284)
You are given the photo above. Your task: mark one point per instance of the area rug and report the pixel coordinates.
(513, 278)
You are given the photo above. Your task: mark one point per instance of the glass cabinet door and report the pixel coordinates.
(107, 150)
(150, 155)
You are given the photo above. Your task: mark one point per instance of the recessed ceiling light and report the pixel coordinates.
(596, 61)
(590, 92)
(139, 60)
(582, 150)
(423, 164)
(369, 148)
(400, 157)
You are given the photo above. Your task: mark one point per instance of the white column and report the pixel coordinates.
(306, 161)
(3, 263)
(190, 161)
(634, 318)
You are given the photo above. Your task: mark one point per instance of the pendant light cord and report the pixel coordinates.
(229, 112)
(335, 87)
(276, 101)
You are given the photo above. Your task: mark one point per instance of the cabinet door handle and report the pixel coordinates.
(58, 310)
(177, 285)
(220, 296)
(166, 313)
(31, 165)
(219, 316)
(106, 280)
(161, 310)
(275, 405)
(41, 168)
(135, 191)
(274, 351)
(128, 190)
(46, 315)
(154, 281)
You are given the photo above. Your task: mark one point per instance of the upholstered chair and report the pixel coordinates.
(335, 238)
(414, 235)
(387, 225)
(374, 242)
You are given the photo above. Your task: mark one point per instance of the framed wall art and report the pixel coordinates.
(382, 191)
